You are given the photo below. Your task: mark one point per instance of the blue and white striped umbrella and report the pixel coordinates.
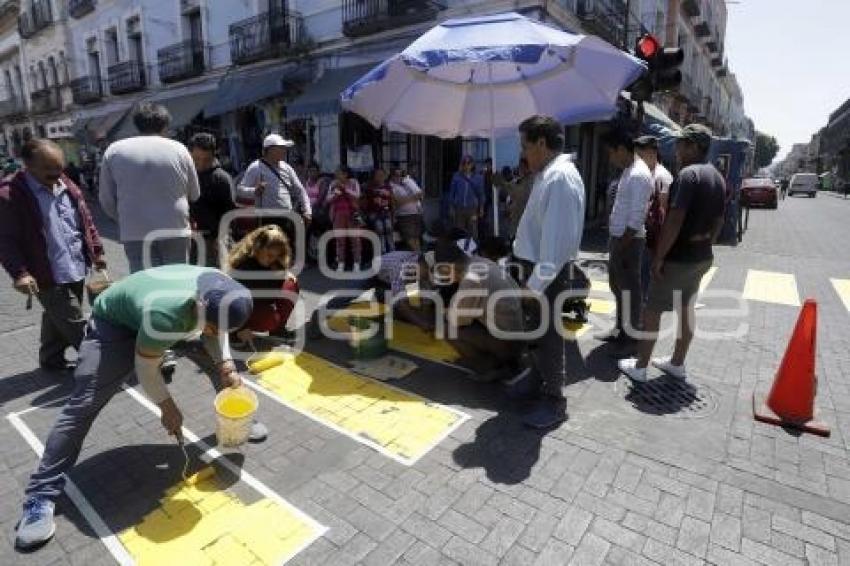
(483, 76)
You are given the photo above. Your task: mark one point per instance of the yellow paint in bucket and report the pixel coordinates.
(235, 410)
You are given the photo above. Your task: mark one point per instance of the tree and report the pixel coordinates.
(766, 149)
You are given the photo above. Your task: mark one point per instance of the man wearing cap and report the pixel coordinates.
(132, 324)
(684, 253)
(273, 184)
(627, 230)
(646, 147)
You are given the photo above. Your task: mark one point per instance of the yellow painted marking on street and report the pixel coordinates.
(400, 424)
(842, 287)
(601, 306)
(771, 287)
(407, 338)
(599, 286)
(200, 523)
(706, 279)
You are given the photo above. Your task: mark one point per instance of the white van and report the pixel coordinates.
(804, 183)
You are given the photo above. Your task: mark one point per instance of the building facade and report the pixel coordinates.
(244, 68)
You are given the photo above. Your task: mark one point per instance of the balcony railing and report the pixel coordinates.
(125, 77)
(79, 8)
(607, 19)
(38, 18)
(181, 61)
(12, 107)
(364, 17)
(46, 100)
(87, 89)
(265, 36)
(690, 8)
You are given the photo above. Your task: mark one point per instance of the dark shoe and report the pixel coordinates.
(545, 413)
(36, 526)
(612, 335)
(523, 385)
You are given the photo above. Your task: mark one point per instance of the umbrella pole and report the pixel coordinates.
(493, 152)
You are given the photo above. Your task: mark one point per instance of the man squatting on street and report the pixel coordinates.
(132, 324)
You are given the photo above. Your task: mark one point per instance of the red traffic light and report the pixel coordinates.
(648, 47)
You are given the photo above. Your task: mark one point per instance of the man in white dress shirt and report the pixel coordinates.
(547, 242)
(627, 230)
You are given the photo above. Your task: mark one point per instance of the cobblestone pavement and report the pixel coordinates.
(624, 482)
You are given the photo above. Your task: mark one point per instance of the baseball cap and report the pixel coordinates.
(227, 304)
(695, 133)
(276, 140)
(647, 141)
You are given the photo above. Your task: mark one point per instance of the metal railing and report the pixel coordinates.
(46, 100)
(125, 77)
(364, 17)
(39, 17)
(87, 89)
(267, 35)
(181, 61)
(79, 8)
(609, 20)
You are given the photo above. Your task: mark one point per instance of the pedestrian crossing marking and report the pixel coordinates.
(203, 524)
(399, 424)
(706, 279)
(771, 287)
(842, 287)
(407, 338)
(599, 286)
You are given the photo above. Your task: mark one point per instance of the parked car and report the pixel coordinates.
(759, 192)
(806, 183)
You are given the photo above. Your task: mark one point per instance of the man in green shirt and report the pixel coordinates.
(132, 324)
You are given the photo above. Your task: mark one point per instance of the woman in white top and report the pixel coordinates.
(407, 198)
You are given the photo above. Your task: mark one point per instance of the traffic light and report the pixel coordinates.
(663, 64)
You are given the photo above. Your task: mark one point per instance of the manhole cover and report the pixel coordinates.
(669, 396)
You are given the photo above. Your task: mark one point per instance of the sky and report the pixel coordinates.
(792, 60)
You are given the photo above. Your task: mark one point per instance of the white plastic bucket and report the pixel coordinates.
(234, 409)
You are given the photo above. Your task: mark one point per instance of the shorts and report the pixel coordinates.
(678, 286)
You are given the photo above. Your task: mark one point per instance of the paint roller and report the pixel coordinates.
(258, 363)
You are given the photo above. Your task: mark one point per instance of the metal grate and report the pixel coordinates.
(669, 396)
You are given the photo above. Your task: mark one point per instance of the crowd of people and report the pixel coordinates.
(173, 203)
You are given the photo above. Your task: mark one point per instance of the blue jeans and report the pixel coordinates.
(106, 360)
(164, 251)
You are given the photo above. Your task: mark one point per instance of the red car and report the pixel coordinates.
(759, 192)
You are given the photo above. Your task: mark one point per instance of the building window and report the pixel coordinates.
(42, 76)
(403, 151)
(54, 71)
(111, 36)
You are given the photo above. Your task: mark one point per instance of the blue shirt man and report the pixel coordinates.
(62, 231)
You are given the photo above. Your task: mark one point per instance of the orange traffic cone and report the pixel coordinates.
(791, 401)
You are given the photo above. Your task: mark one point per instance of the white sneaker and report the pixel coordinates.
(36, 525)
(259, 432)
(629, 367)
(664, 365)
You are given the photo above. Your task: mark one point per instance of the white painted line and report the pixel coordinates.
(214, 454)
(103, 532)
(462, 417)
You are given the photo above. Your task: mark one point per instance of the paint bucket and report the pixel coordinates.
(363, 346)
(234, 409)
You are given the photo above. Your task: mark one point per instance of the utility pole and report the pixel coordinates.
(626, 25)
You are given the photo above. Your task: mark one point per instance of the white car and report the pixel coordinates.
(806, 183)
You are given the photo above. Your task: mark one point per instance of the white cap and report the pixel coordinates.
(276, 140)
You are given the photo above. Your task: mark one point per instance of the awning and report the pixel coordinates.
(246, 87)
(322, 97)
(183, 110)
(97, 129)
